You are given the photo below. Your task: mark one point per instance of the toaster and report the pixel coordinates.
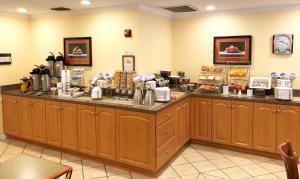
(162, 94)
(283, 93)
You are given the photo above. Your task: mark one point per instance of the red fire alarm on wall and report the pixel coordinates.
(128, 33)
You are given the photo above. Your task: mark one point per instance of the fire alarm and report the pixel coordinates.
(128, 33)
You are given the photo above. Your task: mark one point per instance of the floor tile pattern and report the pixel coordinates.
(194, 162)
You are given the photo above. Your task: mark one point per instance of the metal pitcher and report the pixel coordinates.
(138, 97)
(149, 98)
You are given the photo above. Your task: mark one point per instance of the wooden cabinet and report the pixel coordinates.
(53, 123)
(25, 118)
(11, 115)
(106, 132)
(264, 127)
(87, 129)
(288, 125)
(38, 119)
(221, 121)
(135, 140)
(202, 119)
(182, 123)
(69, 126)
(242, 124)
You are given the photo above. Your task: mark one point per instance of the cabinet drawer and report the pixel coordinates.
(166, 152)
(165, 115)
(165, 132)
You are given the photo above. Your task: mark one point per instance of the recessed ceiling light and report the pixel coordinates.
(85, 2)
(210, 8)
(21, 10)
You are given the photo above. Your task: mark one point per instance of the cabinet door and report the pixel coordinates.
(221, 121)
(135, 139)
(39, 120)
(288, 125)
(202, 119)
(25, 109)
(106, 132)
(264, 127)
(86, 129)
(186, 111)
(11, 115)
(53, 123)
(69, 126)
(242, 124)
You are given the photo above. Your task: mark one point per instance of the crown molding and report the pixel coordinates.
(10, 14)
(239, 11)
(87, 11)
(155, 11)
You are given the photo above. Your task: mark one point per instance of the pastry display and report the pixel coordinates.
(211, 79)
(215, 69)
(240, 73)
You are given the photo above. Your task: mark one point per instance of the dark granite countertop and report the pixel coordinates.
(266, 99)
(105, 102)
(119, 104)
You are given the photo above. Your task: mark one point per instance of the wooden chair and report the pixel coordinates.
(289, 160)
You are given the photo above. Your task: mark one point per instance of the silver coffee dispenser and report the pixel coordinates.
(59, 65)
(51, 64)
(45, 78)
(36, 79)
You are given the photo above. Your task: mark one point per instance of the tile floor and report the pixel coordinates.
(195, 162)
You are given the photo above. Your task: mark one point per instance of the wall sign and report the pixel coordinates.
(128, 62)
(78, 51)
(5, 58)
(232, 50)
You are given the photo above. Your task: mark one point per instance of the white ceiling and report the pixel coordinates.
(39, 7)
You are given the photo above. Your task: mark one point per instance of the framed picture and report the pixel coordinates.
(128, 62)
(260, 82)
(78, 51)
(232, 50)
(5, 58)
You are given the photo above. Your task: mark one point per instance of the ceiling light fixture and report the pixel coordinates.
(210, 8)
(21, 10)
(85, 2)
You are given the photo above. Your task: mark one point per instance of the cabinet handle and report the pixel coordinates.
(167, 115)
(166, 152)
(278, 110)
(93, 113)
(274, 110)
(15, 101)
(167, 132)
(61, 108)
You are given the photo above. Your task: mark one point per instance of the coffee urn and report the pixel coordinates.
(45, 78)
(59, 65)
(51, 63)
(36, 79)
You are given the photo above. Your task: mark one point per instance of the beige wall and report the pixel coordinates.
(106, 30)
(155, 43)
(193, 40)
(109, 44)
(14, 39)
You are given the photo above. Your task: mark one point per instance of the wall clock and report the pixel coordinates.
(283, 44)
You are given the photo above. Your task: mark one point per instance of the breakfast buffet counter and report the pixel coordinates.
(145, 139)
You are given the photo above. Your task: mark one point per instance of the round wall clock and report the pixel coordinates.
(283, 44)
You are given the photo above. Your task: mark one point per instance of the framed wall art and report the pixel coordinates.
(5, 58)
(78, 51)
(128, 63)
(232, 50)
